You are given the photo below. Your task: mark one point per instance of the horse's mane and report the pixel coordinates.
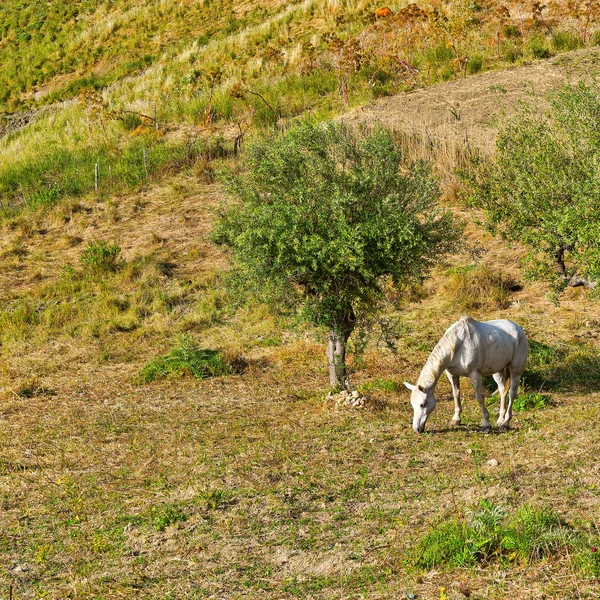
(441, 354)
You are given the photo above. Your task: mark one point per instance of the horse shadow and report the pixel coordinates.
(561, 367)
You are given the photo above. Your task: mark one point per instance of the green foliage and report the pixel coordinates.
(539, 47)
(382, 385)
(325, 215)
(531, 400)
(488, 535)
(166, 515)
(187, 359)
(588, 560)
(99, 257)
(542, 187)
(565, 40)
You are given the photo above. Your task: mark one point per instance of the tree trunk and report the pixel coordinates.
(571, 280)
(336, 350)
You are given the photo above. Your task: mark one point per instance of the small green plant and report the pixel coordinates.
(215, 499)
(166, 515)
(45, 196)
(588, 560)
(531, 400)
(187, 359)
(100, 257)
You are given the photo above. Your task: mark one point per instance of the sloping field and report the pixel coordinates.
(467, 110)
(253, 484)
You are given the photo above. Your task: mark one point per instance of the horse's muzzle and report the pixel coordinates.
(419, 429)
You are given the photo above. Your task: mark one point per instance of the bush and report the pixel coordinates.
(531, 400)
(539, 47)
(542, 187)
(188, 359)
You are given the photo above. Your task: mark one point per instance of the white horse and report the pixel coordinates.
(471, 348)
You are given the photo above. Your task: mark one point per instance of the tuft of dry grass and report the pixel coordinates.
(476, 287)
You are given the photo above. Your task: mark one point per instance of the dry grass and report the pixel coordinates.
(252, 484)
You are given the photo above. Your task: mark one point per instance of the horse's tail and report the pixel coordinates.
(506, 378)
(506, 374)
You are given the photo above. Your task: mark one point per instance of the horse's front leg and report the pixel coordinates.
(485, 415)
(455, 383)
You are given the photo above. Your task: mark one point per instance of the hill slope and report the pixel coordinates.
(252, 484)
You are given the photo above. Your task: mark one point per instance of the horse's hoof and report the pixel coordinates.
(504, 427)
(486, 429)
(455, 423)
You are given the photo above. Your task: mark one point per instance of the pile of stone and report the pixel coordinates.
(348, 399)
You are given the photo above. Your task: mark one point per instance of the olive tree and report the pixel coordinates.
(321, 216)
(542, 186)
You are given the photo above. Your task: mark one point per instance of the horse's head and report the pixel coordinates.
(423, 403)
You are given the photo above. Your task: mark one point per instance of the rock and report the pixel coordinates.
(492, 462)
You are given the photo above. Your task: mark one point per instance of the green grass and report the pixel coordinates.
(489, 534)
(560, 366)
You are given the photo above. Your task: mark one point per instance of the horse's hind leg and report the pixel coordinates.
(485, 415)
(501, 379)
(455, 383)
(512, 394)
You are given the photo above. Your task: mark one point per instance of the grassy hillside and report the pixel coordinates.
(160, 440)
(201, 75)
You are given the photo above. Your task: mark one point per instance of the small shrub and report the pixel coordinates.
(188, 359)
(588, 561)
(100, 257)
(535, 532)
(475, 64)
(538, 47)
(566, 40)
(446, 544)
(45, 196)
(216, 499)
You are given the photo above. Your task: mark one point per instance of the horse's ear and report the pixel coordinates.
(421, 388)
(410, 386)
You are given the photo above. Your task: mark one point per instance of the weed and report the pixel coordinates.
(166, 515)
(531, 400)
(588, 560)
(187, 359)
(488, 535)
(382, 385)
(100, 257)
